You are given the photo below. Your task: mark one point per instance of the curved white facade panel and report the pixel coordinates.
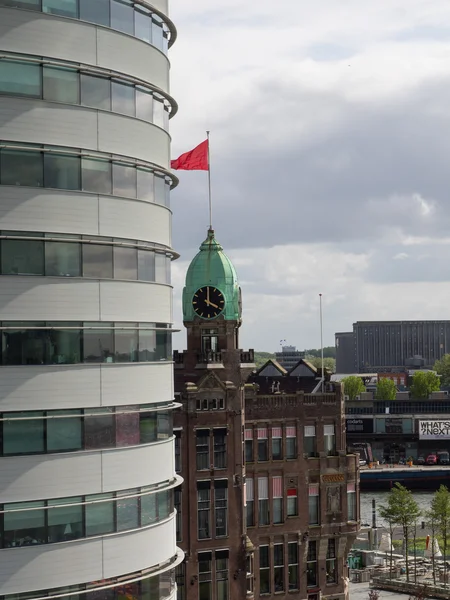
(79, 127)
(86, 472)
(56, 211)
(69, 563)
(100, 300)
(28, 32)
(62, 299)
(84, 386)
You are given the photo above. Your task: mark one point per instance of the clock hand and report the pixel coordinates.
(207, 295)
(212, 304)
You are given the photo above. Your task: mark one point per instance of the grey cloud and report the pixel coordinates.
(320, 189)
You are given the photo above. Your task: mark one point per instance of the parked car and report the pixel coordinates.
(432, 459)
(443, 457)
(420, 460)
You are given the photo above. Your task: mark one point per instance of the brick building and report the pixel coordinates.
(270, 498)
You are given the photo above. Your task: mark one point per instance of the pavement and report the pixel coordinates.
(360, 591)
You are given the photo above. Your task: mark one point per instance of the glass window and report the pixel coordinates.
(22, 167)
(98, 343)
(24, 346)
(160, 268)
(309, 440)
(148, 509)
(142, 24)
(95, 11)
(23, 433)
(65, 522)
(96, 175)
(122, 17)
(164, 424)
(97, 260)
(292, 509)
(66, 8)
(99, 429)
(64, 345)
(278, 567)
(204, 512)
(166, 117)
(62, 171)
(277, 443)
(264, 570)
(64, 433)
(205, 590)
(157, 33)
(127, 510)
(220, 448)
(100, 515)
(24, 526)
(163, 346)
(22, 257)
(147, 344)
(263, 451)
(29, 4)
(311, 564)
(160, 191)
(263, 501)
(163, 501)
(62, 259)
(148, 427)
(202, 449)
(127, 426)
(125, 263)
(144, 105)
(331, 565)
(20, 79)
(293, 566)
(146, 265)
(61, 85)
(222, 574)
(167, 194)
(123, 98)
(145, 185)
(278, 510)
(291, 441)
(124, 180)
(221, 509)
(96, 92)
(126, 342)
(248, 450)
(158, 112)
(313, 505)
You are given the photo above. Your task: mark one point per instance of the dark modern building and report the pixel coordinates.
(289, 356)
(401, 428)
(270, 499)
(345, 352)
(392, 345)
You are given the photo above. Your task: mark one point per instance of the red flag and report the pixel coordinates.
(195, 160)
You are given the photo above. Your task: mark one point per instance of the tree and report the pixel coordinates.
(386, 389)
(424, 382)
(353, 386)
(389, 517)
(440, 511)
(442, 367)
(328, 362)
(262, 357)
(432, 522)
(402, 510)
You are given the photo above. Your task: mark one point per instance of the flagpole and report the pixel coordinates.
(209, 184)
(321, 341)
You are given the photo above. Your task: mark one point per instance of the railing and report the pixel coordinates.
(209, 357)
(247, 357)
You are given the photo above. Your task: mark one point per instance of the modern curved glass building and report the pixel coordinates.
(86, 390)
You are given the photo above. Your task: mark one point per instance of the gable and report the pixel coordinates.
(303, 369)
(271, 369)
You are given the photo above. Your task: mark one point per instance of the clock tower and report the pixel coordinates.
(209, 385)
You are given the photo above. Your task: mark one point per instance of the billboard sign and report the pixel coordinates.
(359, 425)
(434, 430)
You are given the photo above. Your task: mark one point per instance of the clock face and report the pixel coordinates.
(208, 302)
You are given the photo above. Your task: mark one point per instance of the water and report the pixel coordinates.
(423, 499)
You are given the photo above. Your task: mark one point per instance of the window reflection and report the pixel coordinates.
(72, 343)
(123, 98)
(122, 16)
(19, 78)
(53, 431)
(66, 8)
(95, 11)
(96, 92)
(97, 261)
(69, 171)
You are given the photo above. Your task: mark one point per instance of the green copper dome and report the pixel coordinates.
(212, 267)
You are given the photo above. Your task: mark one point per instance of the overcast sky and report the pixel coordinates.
(330, 126)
